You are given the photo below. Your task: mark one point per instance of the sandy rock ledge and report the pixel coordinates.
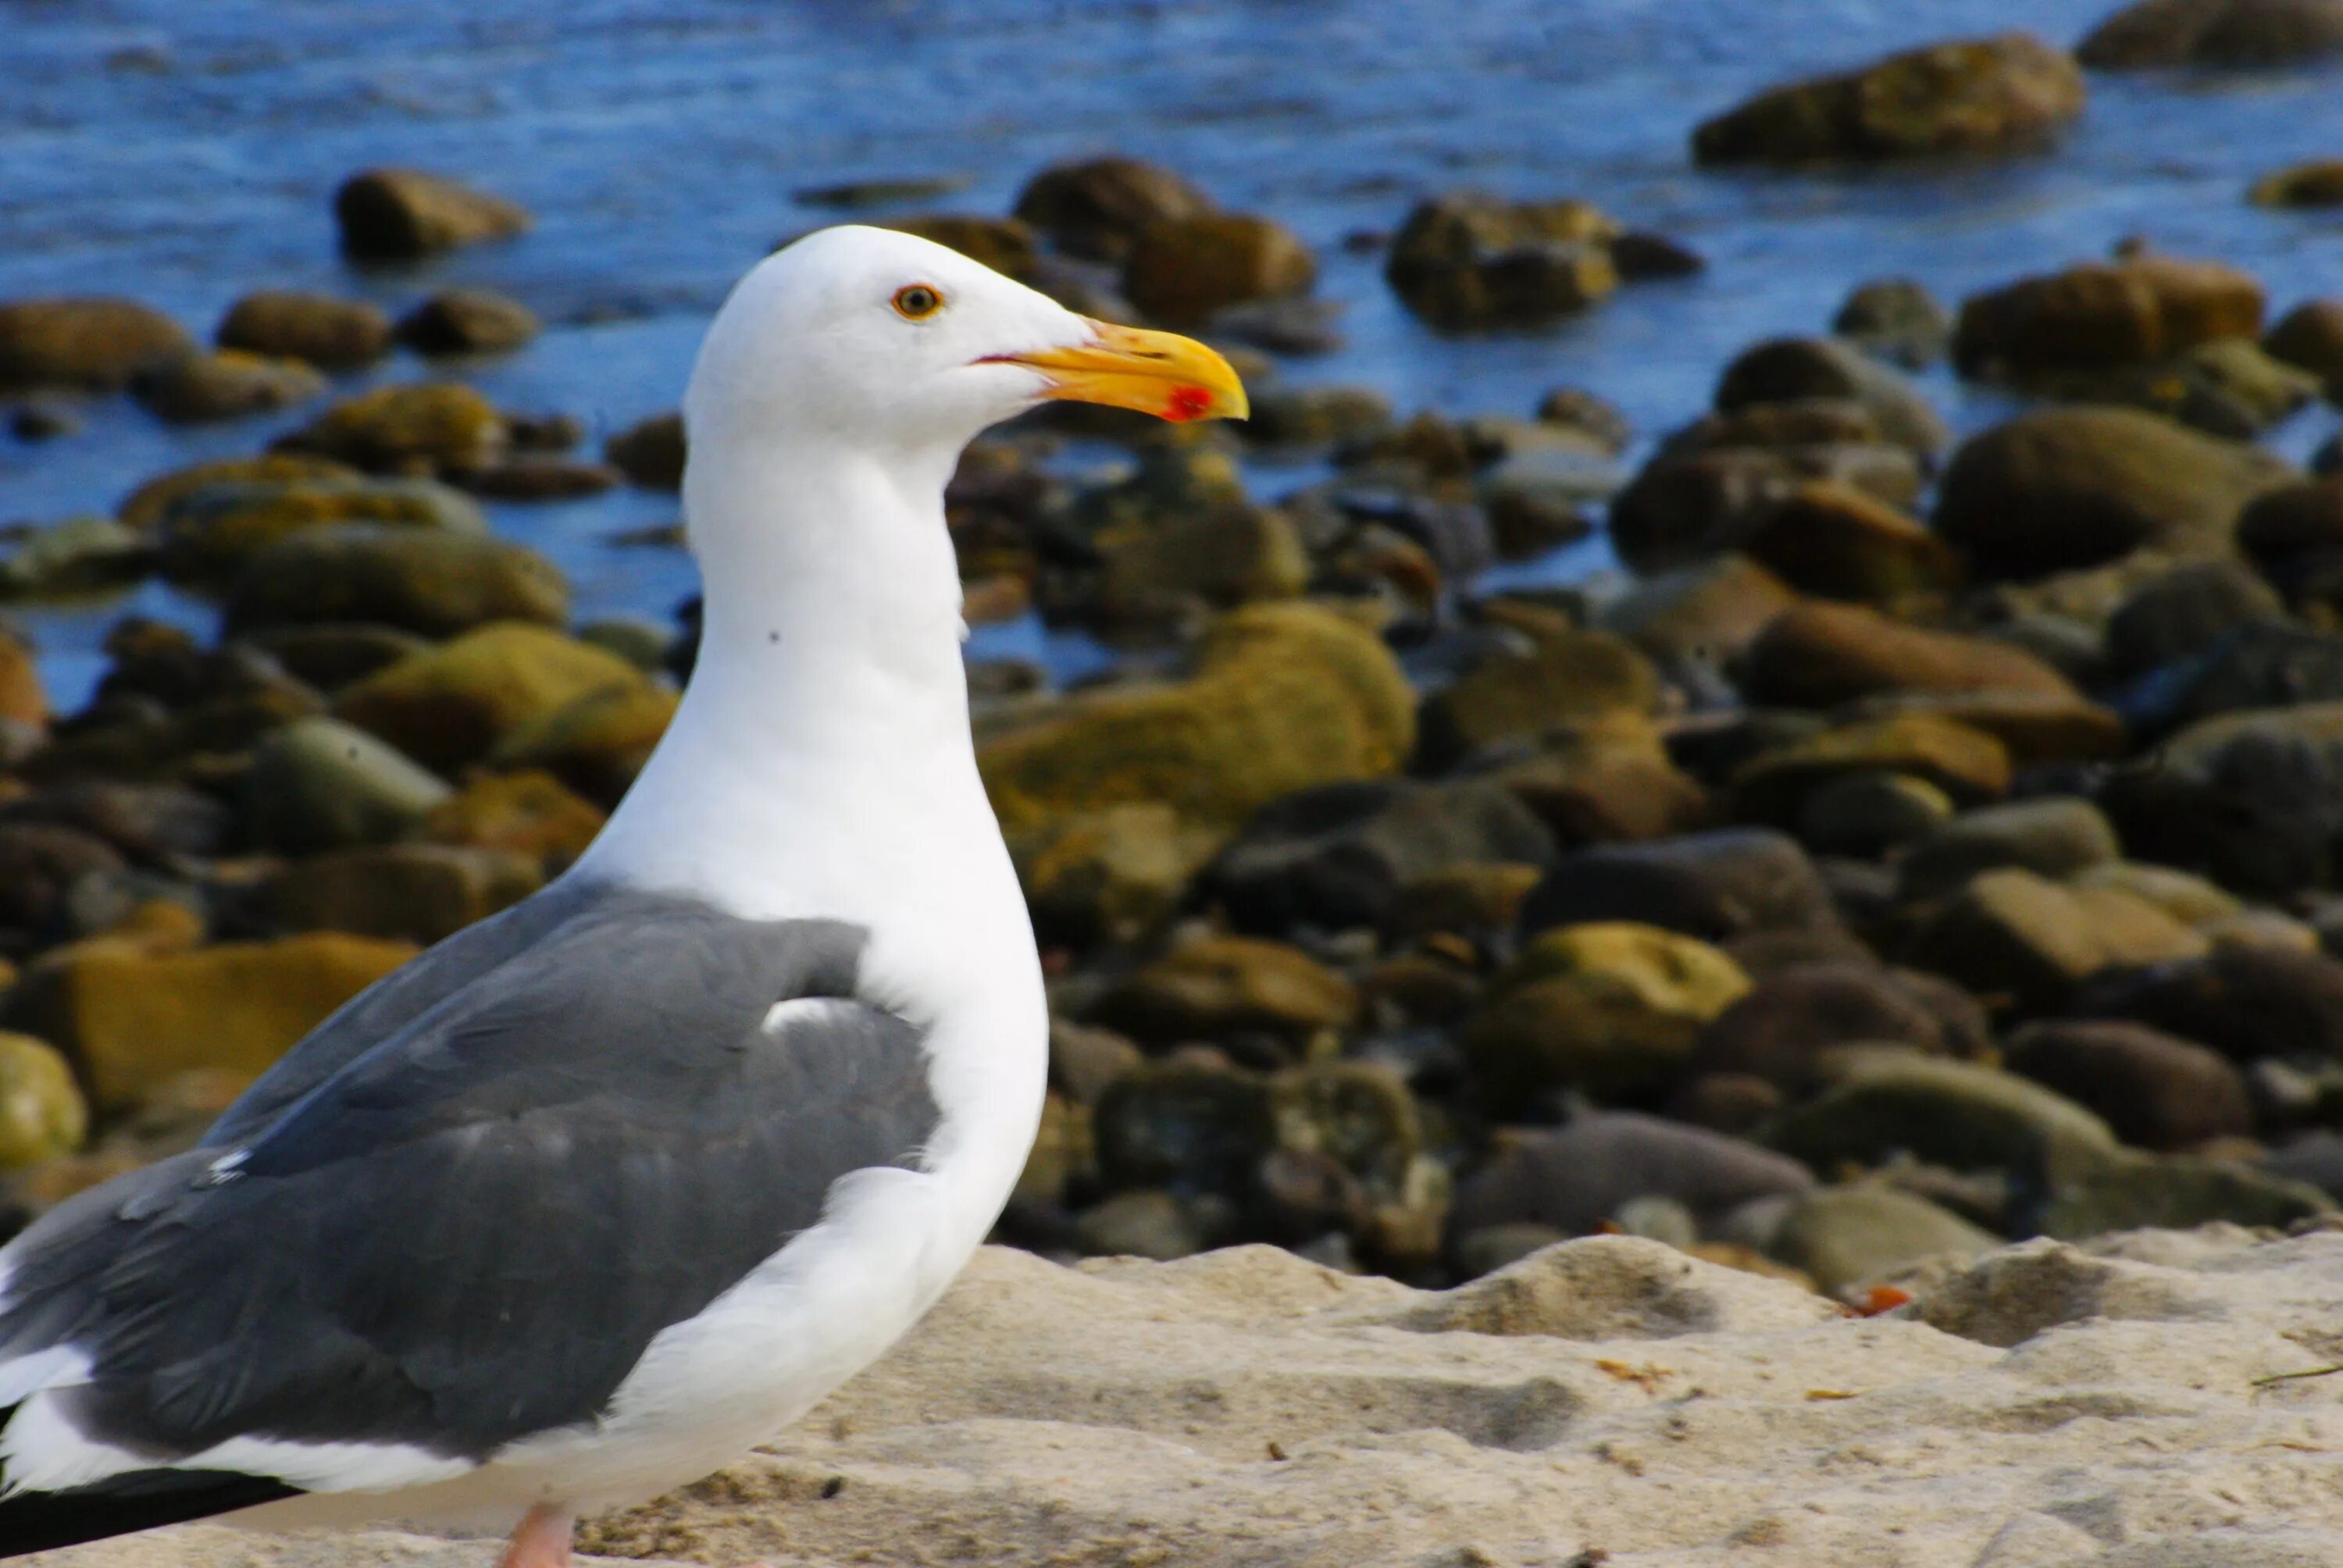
(2136, 1403)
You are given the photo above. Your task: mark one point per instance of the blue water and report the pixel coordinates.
(186, 152)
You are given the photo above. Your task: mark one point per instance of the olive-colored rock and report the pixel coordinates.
(1609, 1009)
(1834, 540)
(72, 558)
(529, 813)
(1707, 614)
(1871, 812)
(212, 531)
(1475, 901)
(42, 1112)
(391, 213)
(1567, 676)
(650, 453)
(1213, 988)
(597, 742)
(1959, 1114)
(2154, 34)
(1096, 208)
(1283, 696)
(1182, 269)
(2176, 1192)
(2065, 488)
(2019, 937)
(419, 893)
(435, 581)
(88, 344)
(1784, 1028)
(1712, 886)
(1573, 1179)
(1818, 655)
(2155, 1090)
(1006, 245)
(2310, 336)
(23, 699)
(2318, 183)
(201, 386)
(2105, 314)
(433, 429)
(1217, 558)
(1847, 1236)
(330, 333)
(318, 784)
(1606, 780)
(1694, 500)
(41, 863)
(1110, 874)
(151, 502)
(2057, 837)
(468, 321)
(1897, 319)
(1467, 259)
(1299, 417)
(1797, 370)
(2032, 726)
(455, 704)
(127, 1017)
(1967, 95)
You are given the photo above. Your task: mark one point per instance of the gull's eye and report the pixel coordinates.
(917, 301)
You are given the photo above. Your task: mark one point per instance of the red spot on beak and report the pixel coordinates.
(1188, 403)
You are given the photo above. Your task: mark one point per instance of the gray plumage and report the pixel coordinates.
(458, 1212)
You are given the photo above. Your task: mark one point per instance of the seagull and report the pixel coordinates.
(600, 1193)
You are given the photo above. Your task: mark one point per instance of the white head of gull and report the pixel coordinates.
(598, 1194)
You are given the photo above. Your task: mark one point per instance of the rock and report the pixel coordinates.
(1691, 502)
(420, 893)
(2102, 315)
(2246, 1002)
(1607, 1008)
(1572, 1179)
(330, 333)
(2228, 389)
(1783, 1030)
(2011, 934)
(2055, 836)
(151, 502)
(1096, 208)
(1818, 655)
(2154, 34)
(2285, 527)
(467, 321)
(530, 814)
(455, 704)
(127, 1017)
(1084, 1062)
(1284, 697)
(1182, 269)
(1794, 369)
(201, 386)
(150, 823)
(1707, 614)
(1712, 885)
(400, 213)
(40, 862)
(1849, 1236)
(2316, 184)
(1336, 856)
(1476, 902)
(1871, 812)
(1111, 874)
(1780, 782)
(597, 741)
(650, 453)
(1830, 539)
(2154, 1089)
(1214, 987)
(72, 558)
(2008, 92)
(1467, 259)
(2309, 336)
(2247, 798)
(1897, 319)
(81, 343)
(1959, 1114)
(1568, 677)
(1184, 1123)
(2184, 612)
(2065, 488)
(434, 581)
(1605, 780)
(318, 784)
(538, 477)
(213, 531)
(431, 429)
(1006, 245)
(331, 655)
(2179, 1192)
(1576, 408)
(42, 1112)
(2191, 899)
(1215, 557)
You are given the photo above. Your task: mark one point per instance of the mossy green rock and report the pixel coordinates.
(454, 704)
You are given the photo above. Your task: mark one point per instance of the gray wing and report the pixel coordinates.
(470, 1231)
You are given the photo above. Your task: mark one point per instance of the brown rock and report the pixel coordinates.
(468, 321)
(330, 333)
(2154, 34)
(2309, 336)
(435, 581)
(2102, 315)
(400, 214)
(535, 476)
(1569, 677)
(2017, 938)
(1834, 540)
(1006, 245)
(202, 387)
(594, 743)
(419, 893)
(650, 453)
(529, 813)
(1215, 987)
(1974, 95)
(22, 699)
(2032, 726)
(1817, 655)
(1715, 885)
(86, 344)
(147, 505)
(1781, 1029)
(1467, 259)
(1182, 270)
(429, 429)
(1707, 614)
(1810, 372)
(1965, 762)
(2157, 1091)
(1096, 208)
(2318, 183)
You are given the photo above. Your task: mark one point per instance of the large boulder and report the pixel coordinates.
(2102, 314)
(2060, 488)
(1968, 95)
(331, 332)
(435, 581)
(82, 344)
(2156, 34)
(391, 213)
(452, 705)
(1466, 259)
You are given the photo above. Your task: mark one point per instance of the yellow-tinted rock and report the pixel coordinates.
(22, 698)
(127, 1017)
(597, 743)
(454, 704)
(1182, 270)
(529, 813)
(1215, 986)
(82, 343)
(440, 428)
(1571, 676)
(1284, 696)
(1110, 874)
(1829, 538)
(42, 1112)
(146, 506)
(202, 385)
(407, 213)
(1967, 763)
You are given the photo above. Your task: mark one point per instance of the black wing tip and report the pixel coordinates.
(126, 1504)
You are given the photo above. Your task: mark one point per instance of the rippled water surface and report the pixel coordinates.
(186, 152)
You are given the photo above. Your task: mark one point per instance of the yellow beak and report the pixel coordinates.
(1159, 372)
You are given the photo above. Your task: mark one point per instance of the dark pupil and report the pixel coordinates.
(919, 301)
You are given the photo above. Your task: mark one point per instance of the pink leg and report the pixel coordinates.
(541, 1539)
